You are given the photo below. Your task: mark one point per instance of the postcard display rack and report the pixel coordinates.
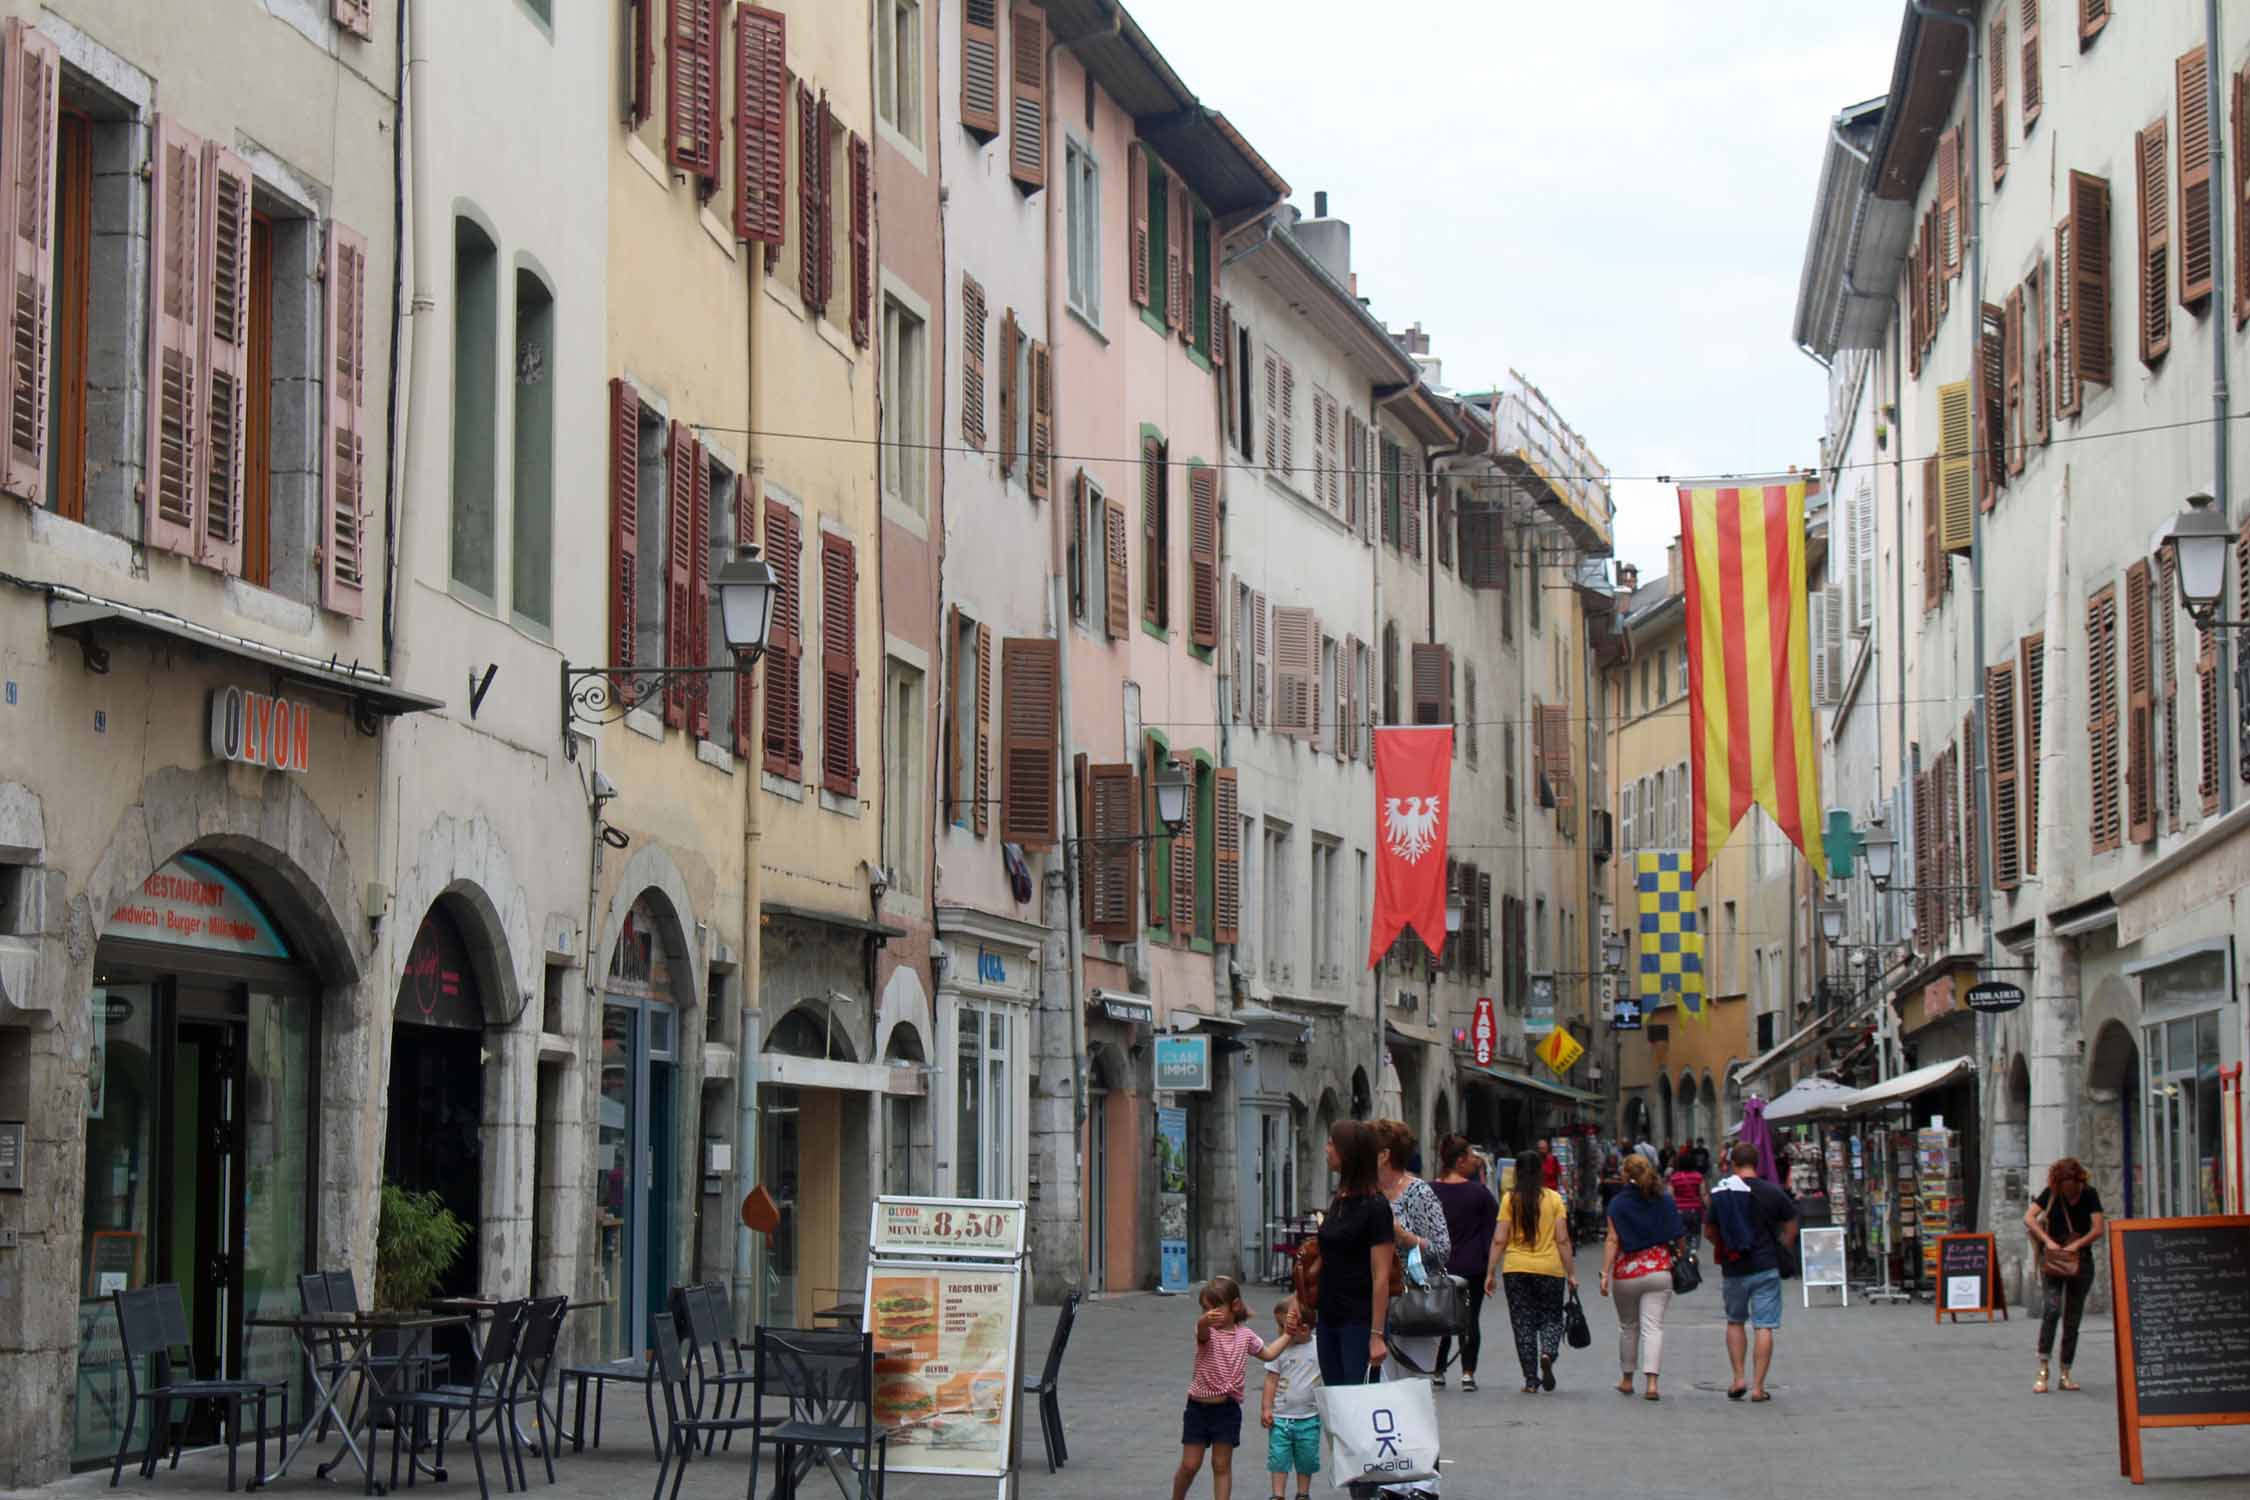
(1937, 1176)
(945, 1301)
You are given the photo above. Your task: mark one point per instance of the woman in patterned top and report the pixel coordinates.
(1418, 1224)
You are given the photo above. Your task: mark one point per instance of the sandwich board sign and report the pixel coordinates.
(1822, 1251)
(945, 1302)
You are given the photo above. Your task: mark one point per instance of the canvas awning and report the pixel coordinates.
(1905, 1086)
(1808, 1098)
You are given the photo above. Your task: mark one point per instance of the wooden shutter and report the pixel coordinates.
(1030, 743)
(761, 134)
(2093, 15)
(1991, 402)
(839, 667)
(1011, 394)
(1156, 535)
(949, 811)
(2000, 758)
(1925, 873)
(1203, 555)
(175, 381)
(2011, 363)
(1175, 252)
(344, 561)
(30, 76)
(863, 242)
(2033, 84)
(1039, 475)
(1936, 572)
(2207, 711)
(1027, 98)
(2140, 709)
(2166, 695)
(1912, 303)
(2090, 288)
(2195, 248)
(1183, 853)
(827, 121)
(1296, 671)
(2041, 428)
(1117, 569)
(2101, 718)
(2238, 198)
(784, 751)
(225, 318)
(980, 66)
(980, 773)
(1972, 845)
(1355, 472)
(972, 362)
(625, 530)
(811, 216)
(1226, 797)
(691, 88)
(1431, 677)
(2068, 391)
(1136, 184)
(2156, 241)
(1956, 479)
(1261, 661)
(699, 601)
(1112, 867)
(679, 567)
(1352, 706)
(1996, 70)
(1949, 202)
(355, 16)
(2031, 661)
(640, 83)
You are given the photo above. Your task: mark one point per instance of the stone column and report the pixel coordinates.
(1058, 1249)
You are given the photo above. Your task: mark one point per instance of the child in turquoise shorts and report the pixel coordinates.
(1292, 1404)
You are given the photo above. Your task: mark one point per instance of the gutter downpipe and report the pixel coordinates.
(749, 1032)
(2229, 750)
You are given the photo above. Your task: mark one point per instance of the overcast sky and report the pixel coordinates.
(1611, 197)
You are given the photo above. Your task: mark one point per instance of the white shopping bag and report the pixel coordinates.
(1380, 1434)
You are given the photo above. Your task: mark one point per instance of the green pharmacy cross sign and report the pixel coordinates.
(1843, 843)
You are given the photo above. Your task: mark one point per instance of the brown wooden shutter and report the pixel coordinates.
(1226, 797)
(1261, 660)
(980, 771)
(1175, 252)
(344, 574)
(980, 66)
(1991, 438)
(2000, 758)
(2162, 605)
(972, 361)
(2011, 364)
(640, 83)
(1972, 845)
(1432, 683)
(624, 529)
(2101, 719)
(1011, 394)
(1355, 472)
(1039, 471)
(691, 88)
(1030, 745)
(2037, 381)
(1296, 671)
(1937, 570)
(761, 149)
(811, 217)
(679, 567)
(1956, 478)
(2140, 710)
(1117, 568)
(1925, 866)
(2032, 665)
(2033, 84)
(784, 753)
(2068, 390)
(225, 282)
(355, 16)
(1352, 711)
(1912, 303)
(863, 243)
(30, 89)
(1112, 867)
(956, 774)
(1156, 586)
(2238, 199)
(1203, 555)
(1996, 69)
(1136, 184)
(699, 590)
(1183, 866)
(839, 667)
(1949, 202)
(2195, 248)
(2156, 241)
(1027, 98)
(2207, 710)
(175, 381)
(2093, 15)
(827, 125)
(2090, 289)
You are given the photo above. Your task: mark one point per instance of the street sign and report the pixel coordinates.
(1993, 996)
(1627, 1015)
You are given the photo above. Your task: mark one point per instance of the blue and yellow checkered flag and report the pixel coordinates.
(1671, 943)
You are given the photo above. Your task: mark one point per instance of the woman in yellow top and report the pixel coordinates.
(1531, 1256)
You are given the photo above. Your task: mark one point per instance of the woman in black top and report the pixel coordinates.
(2064, 1221)
(1358, 1247)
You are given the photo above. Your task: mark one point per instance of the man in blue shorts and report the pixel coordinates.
(1748, 1222)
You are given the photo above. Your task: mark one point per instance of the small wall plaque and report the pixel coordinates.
(11, 1156)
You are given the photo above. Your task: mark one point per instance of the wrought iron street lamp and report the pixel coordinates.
(1832, 922)
(2198, 541)
(1881, 851)
(747, 589)
(1171, 787)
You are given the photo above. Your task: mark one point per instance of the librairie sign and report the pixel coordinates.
(259, 729)
(1993, 996)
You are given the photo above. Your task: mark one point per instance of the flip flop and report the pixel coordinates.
(1737, 1392)
(1763, 1396)
(1652, 1396)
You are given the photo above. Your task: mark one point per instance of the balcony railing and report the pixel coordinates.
(1561, 469)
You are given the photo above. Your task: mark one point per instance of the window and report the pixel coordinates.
(1539, 960)
(531, 596)
(984, 1130)
(1683, 687)
(1087, 568)
(1329, 730)
(1082, 214)
(1324, 924)
(73, 272)
(1390, 673)
(1470, 726)
(729, 702)
(652, 577)
(1648, 699)
(1532, 601)
(1244, 663)
(1200, 285)
(1628, 804)
(1152, 224)
(906, 457)
(1280, 882)
(1156, 531)
(903, 769)
(476, 334)
(1730, 926)
(1393, 521)
(898, 67)
(968, 734)
(1663, 679)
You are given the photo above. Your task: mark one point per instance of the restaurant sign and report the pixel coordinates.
(195, 904)
(261, 729)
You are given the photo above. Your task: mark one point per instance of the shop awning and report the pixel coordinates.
(1903, 1087)
(1472, 1073)
(1809, 1098)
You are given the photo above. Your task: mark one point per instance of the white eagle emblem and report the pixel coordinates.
(1410, 830)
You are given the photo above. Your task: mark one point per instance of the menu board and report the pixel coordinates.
(1968, 1267)
(1823, 1251)
(969, 1227)
(946, 1339)
(2187, 1290)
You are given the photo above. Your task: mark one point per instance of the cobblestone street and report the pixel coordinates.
(1868, 1401)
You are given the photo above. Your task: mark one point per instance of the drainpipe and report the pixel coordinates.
(2221, 423)
(749, 1033)
(2049, 1128)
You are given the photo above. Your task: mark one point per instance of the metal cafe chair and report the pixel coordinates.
(152, 1324)
(684, 1422)
(480, 1402)
(701, 1312)
(825, 1381)
(535, 1358)
(1047, 1390)
(631, 1370)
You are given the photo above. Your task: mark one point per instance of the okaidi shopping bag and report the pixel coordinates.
(1380, 1434)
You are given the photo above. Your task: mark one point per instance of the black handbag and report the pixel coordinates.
(1575, 1331)
(1439, 1310)
(1686, 1274)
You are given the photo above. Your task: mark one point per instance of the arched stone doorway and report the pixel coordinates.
(2109, 1130)
(1363, 1095)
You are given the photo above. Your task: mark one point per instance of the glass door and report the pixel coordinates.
(778, 1154)
(614, 1180)
(2186, 1152)
(1097, 1195)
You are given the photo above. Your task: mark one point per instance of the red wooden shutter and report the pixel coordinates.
(2140, 710)
(1203, 555)
(784, 753)
(226, 356)
(691, 88)
(2162, 605)
(2011, 364)
(1031, 744)
(356, 17)
(2093, 15)
(640, 101)
(699, 602)
(827, 204)
(1996, 69)
(2196, 249)
(1112, 866)
(761, 133)
(1011, 393)
(1183, 866)
(839, 667)
(2038, 380)
(1039, 471)
(175, 381)
(980, 790)
(811, 213)
(1117, 569)
(1925, 878)
(1155, 605)
(344, 564)
(625, 529)
(1226, 797)
(679, 567)
(863, 242)
(972, 361)
(1949, 202)
(2000, 758)
(2031, 660)
(2033, 84)
(2207, 709)
(30, 74)
(2101, 718)
(1972, 845)
(2090, 287)
(1136, 187)
(1431, 677)
(980, 66)
(1027, 98)
(2156, 241)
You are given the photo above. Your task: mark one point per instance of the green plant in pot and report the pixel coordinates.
(416, 1243)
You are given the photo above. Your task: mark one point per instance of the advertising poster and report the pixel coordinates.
(947, 1226)
(1171, 1199)
(945, 1370)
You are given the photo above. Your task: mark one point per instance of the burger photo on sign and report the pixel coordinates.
(905, 1315)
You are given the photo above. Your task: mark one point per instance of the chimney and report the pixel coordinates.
(1672, 561)
(1326, 240)
(1628, 579)
(1320, 203)
(1414, 340)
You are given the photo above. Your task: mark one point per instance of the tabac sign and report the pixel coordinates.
(260, 729)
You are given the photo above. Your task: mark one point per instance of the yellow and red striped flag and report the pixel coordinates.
(1750, 710)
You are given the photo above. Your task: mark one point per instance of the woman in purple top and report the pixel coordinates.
(1471, 1214)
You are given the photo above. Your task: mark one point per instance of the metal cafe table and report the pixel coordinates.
(355, 1333)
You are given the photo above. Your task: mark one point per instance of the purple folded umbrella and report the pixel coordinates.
(1758, 1133)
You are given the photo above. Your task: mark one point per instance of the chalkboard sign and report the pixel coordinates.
(1969, 1277)
(2183, 1326)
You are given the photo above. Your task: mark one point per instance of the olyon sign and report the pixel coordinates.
(260, 729)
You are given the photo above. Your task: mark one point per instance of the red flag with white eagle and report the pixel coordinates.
(1413, 795)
